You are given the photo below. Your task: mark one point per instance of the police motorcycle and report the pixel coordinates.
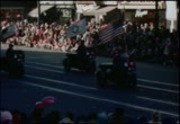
(13, 63)
(84, 63)
(122, 76)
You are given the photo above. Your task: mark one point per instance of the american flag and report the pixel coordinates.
(109, 32)
(77, 28)
(8, 30)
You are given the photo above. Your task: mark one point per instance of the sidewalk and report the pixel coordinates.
(24, 48)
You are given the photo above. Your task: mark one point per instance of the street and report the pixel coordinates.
(77, 91)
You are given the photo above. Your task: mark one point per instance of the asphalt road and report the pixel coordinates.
(77, 92)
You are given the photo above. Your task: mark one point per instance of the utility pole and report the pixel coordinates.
(39, 11)
(156, 17)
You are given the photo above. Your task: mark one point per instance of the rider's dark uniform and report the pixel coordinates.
(118, 65)
(118, 59)
(81, 52)
(9, 52)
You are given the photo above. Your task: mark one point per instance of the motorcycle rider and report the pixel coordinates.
(81, 52)
(119, 58)
(9, 51)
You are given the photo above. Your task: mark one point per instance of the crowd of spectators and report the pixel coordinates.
(160, 46)
(148, 44)
(40, 114)
(50, 36)
(118, 116)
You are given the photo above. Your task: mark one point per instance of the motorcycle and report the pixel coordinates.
(73, 60)
(14, 64)
(122, 76)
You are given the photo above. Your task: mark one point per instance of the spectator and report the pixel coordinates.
(117, 117)
(102, 118)
(92, 118)
(6, 117)
(142, 120)
(9, 51)
(19, 117)
(81, 119)
(68, 119)
(156, 118)
(36, 115)
(53, 117)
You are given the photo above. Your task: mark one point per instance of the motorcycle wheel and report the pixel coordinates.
(20, 72)
(16, 71)
(91, 68)
(101, 80)
(133, 81)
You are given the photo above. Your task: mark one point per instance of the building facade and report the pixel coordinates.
(13, 9)
(134, 11)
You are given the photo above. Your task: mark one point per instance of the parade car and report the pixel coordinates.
(123, 77)
(73, 60)
(14, 64)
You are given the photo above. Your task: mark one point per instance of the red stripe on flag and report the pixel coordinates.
(106, 34)
(110, 32)
(119, 31)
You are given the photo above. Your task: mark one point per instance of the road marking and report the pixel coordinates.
(45, 64)
(157, 100)
(41, 57)
(155, 88)
(40, 68)
(35, 57)
(100, 99)
(139, 79)
(49, 65)
(61, 82)
(157, 82)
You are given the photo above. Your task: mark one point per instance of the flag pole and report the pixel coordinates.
(156, 18)
(125, 41)
(124, 18)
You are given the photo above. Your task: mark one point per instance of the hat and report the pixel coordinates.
(48, 100)
(6, 116)
(39, 105)
(102, 118)
(65, 121)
